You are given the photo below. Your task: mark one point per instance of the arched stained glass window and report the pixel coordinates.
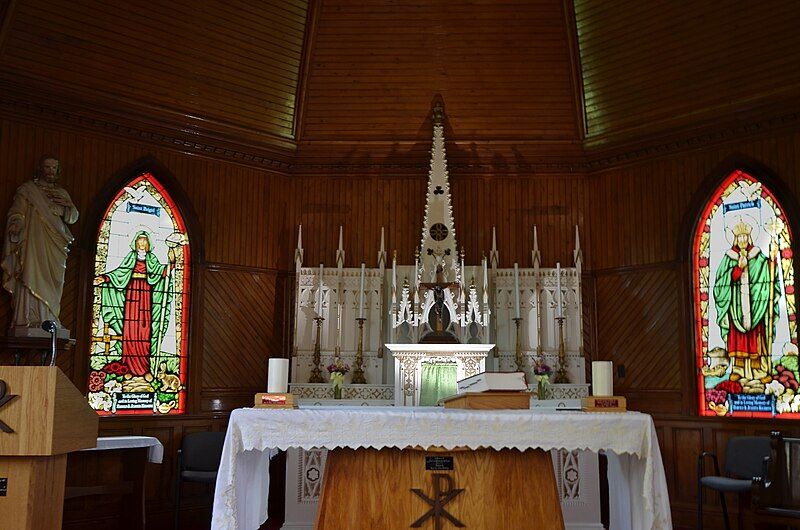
(744, 304)
(140, 304)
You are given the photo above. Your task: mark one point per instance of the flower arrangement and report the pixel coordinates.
(543, 371)
(337, 371)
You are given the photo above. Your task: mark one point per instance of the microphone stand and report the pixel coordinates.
(51, 327)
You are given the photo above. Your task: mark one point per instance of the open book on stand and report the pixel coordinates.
(494, 382)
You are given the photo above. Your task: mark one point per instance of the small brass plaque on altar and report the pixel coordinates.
(605, 404)
(268, 400)
(489, 401)
(438, 463)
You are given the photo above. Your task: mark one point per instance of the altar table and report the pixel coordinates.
(255, 435)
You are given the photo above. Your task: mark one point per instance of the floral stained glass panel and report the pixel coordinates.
(140, 304)
(744, 304)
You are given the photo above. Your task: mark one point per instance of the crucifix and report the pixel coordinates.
(438, 287)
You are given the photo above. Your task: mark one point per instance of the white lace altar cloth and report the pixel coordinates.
(255, 435)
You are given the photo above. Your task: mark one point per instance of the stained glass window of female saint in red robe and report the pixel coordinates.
(140, 304)
(744, 304)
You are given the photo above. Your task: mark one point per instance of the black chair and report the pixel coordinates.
(746, 457)
(198, 461)
(777, 494)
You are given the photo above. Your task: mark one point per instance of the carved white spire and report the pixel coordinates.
(298, 252)
(577, 254)
(438, 244)
(535, 254)
(382, 253)
(494, 256)
(340, 250)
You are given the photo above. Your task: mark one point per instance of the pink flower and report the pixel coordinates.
(338, 367)
(96, 381)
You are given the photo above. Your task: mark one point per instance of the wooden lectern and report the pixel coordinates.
(47, 418)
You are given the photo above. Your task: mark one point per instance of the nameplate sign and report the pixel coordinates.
(752, 403)
(438, 463)
(132, 400)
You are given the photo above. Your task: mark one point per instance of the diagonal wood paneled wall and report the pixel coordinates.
(638, 329)
(242, 327)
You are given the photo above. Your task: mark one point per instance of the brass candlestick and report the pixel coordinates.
(316, 373)
(561, 371)
(519, 359)
(358, 371)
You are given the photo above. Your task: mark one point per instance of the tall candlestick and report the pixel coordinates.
(416, 269)
(339, 308)
(559, 300)
(516, 289)
(394, 272)
(361, 299)
(319, 291)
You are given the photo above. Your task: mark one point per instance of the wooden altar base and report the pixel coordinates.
(372, 490)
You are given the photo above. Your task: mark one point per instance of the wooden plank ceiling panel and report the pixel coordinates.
(503, 70)
(233, 63)
(652, 66)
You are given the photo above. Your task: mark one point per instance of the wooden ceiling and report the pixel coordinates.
(655, 65)
(215, 65)
(338, 75)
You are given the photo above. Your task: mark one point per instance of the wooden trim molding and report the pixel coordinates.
(17, 101)
(29, 99)
(676, 142)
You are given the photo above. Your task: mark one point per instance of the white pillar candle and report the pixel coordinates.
(559, 300)
(516, 289)
(361, 295)
(278, 376)
(319, 292)
(602, 378)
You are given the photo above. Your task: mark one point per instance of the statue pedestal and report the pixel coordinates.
(22, 331)
(24, 348)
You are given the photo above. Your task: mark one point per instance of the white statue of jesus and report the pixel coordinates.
(36, 246)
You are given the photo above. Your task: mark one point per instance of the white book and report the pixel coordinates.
(494, 382)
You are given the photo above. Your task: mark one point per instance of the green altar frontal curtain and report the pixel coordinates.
(438, 380)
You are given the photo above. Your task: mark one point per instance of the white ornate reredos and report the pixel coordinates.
(479, 305)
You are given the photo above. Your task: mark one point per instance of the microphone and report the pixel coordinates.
(50, 326)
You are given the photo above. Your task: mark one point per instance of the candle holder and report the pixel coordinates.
(358, 371)
(316, 373)
(519, 359)
(561, 371)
